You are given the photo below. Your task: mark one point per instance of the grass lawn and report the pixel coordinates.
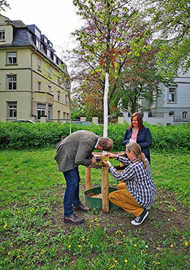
(33, 235)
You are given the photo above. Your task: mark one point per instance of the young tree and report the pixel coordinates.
(130, 80)
(105, 40)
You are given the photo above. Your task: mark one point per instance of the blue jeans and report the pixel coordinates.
(71, 196)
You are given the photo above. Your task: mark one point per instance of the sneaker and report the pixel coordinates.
(139, 220)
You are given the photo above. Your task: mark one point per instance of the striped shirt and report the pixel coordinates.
(138, 180)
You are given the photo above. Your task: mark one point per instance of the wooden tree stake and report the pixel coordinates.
(88, 178)
(105, 190)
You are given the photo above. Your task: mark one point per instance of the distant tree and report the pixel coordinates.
(140, 85)
(171, 21)
(3, 5)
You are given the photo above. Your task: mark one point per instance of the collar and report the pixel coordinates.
(96, 145)
(134, 160)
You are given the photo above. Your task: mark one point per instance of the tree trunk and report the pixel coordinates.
(105, 132)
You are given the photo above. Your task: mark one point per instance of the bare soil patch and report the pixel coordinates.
(166, 216)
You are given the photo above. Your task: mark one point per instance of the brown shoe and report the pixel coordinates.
(73, 219)
(81, 207)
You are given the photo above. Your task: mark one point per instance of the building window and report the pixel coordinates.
(58, 80)
(64, 99)
(39, 86)
(48, 53)
(172, 95)
(38, 44)
(49, 112)
(49, 72)
(49, 88)
(171, 113)
(2, 35)
(184, 115)
(12, 110)
(11, 81)
(11, 58)
(41, 110)
(39, 64)
(58, 96)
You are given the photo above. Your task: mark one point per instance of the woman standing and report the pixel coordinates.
(137, 191)
(138, 133)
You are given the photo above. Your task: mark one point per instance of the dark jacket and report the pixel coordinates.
(144, 139)
(76, 149)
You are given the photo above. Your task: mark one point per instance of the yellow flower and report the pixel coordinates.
(69, 246)
(79, 246)
(125, 260)
(42, 251)
(135, 245)
(186, 243)
(171, 245)
(5, 226)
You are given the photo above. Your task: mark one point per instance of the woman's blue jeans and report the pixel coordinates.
(71, 196)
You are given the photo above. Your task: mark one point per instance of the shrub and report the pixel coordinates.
(24, 135)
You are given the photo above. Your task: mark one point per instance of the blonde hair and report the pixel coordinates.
(136, 149)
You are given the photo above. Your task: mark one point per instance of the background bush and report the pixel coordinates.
(25, 135)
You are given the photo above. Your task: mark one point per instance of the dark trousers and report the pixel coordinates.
(71, 196)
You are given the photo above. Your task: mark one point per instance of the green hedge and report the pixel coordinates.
(26, 135)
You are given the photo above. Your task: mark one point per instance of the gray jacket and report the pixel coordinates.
(76, 149)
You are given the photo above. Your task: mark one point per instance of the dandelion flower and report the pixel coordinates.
(171, 245)
(125, 260)
(186, 243)
(42, 251)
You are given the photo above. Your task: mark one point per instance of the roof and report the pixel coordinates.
(24, 36)
(18, 24)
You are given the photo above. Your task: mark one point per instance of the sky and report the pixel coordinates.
(56, 19)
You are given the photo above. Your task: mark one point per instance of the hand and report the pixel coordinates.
(93, 160)
(111, 155)
(106, 163)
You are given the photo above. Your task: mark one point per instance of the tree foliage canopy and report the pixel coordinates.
(3, 4)
(114, 39)
(171, 20)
